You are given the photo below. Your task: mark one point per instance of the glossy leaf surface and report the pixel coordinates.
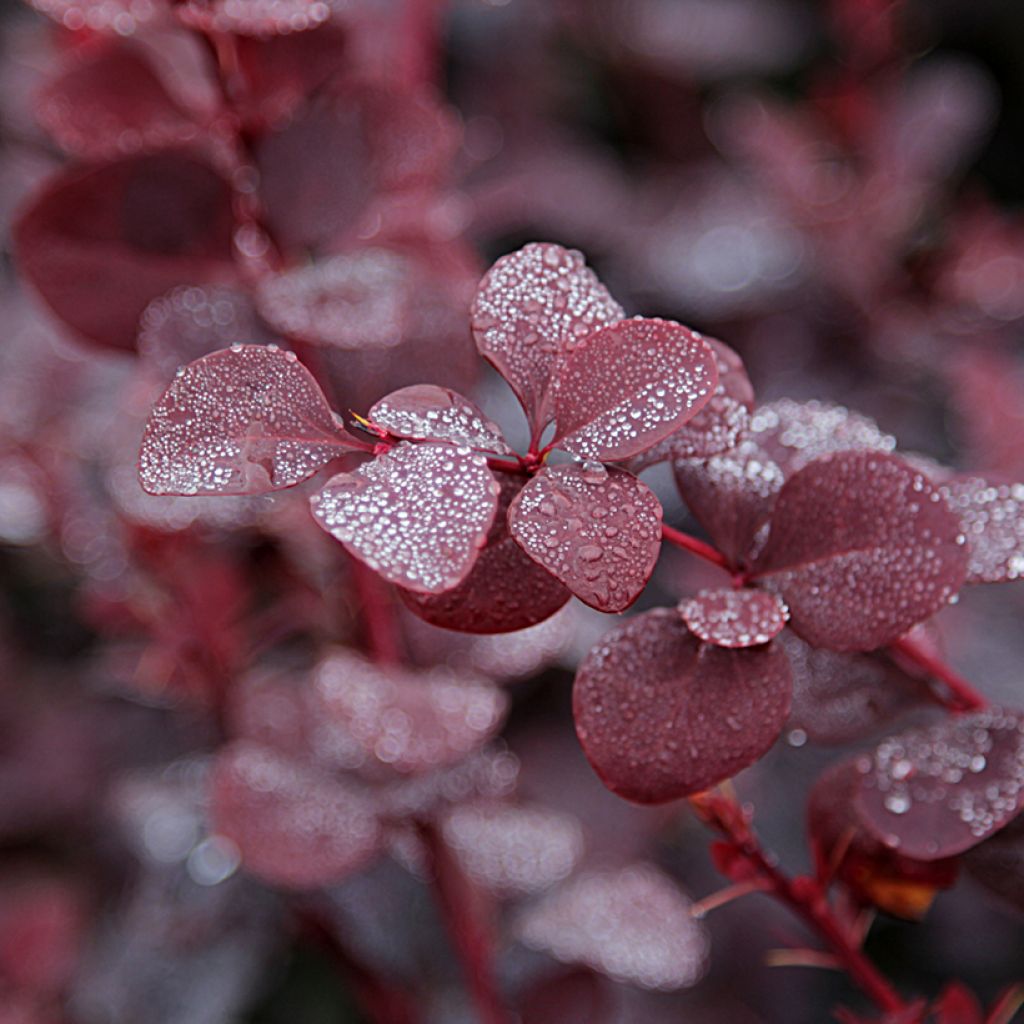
(418, 514)
(862, 547)
(260, 18)
(294, 826)
(245, 420)
(530, 307)
(631, 924)
(938, 791)
(122, 17)
(598, 531)
(624, 387)
(734, 618)
(661, 715)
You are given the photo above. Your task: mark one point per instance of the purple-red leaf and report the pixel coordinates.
(998, 863)
(718, 426)
(425, 412)
(530, 307)
(293, 825)
(624, 387)
(596, 530)
(413, 721)
(259, 18)
(992, 520)
(506, 589)
(632, 924)
(117, 16)
(734, 618)
(245, 420)
(662, 715)
(99, 243)
(512, 848)
(862, 547)
(935, 792)
(418, 514)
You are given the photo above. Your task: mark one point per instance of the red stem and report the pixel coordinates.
(381, 634)
(466, 918)
(697, 547)
(965, 697)
(804, 896)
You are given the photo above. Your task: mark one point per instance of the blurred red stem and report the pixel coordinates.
(695, 546)
(380, 624)
(965, 697)
(804, 896)
(470, 931)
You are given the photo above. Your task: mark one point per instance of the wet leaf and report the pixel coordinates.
(862, 547)
(935, 792)
(998, 863)
(513, 848)
(992, 520)
(598, 531)
(294, 826)
(122, 17)
(259, 18)
(245, 420)
(424, 412)
(412, 721)
(624, 387)
(734, 618)
(632, 924)
(506, 590)
(530, 307)
(661, 715)
(418, 514)
(99, 243)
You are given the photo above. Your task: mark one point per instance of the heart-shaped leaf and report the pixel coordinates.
(293, 825)
(99, 243)
(662, 715)
(734, 618)
(245, 420)
(596, 530)
(418, 514)
(935, 792)
(992, 520)
(506, 590)
(413, 721)
(718, 426)
(424, 412)
(530, 306)
(632, 924)
(862, 547)
(624, 387)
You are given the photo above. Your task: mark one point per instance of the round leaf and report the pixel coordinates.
(418, 514)
(936, 792)
(624, 387)
(862, 547)
(598, 531)
(662, 715)
(992, 520)
(734, 618)
(245, 420)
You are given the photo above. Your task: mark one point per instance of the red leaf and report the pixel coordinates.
(293, 825)
(116, 16)
(598, 531)
(259, 18)
(734, 618)
(934, 792)
(632, 924)
(624, 387)
(957, 1004)
(718, 426)
(662, 716)
(99, 243)
(418, 514)
(245, 420)
(530, 306)
(861, 548)
(506, 589)
(412, 721)
(998, 863)
(425, 412)
(112, 103)
(992, 520)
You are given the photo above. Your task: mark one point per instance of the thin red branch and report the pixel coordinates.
(804, 896)
(695, 546)
(964, 696)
